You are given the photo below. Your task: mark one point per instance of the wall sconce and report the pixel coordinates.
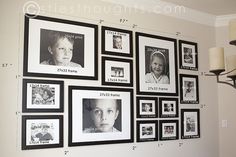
(216, 59)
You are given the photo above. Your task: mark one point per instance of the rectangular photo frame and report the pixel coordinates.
(189, 89)
(60, 48)
(42, 96)
(169, 130)
(147, 107)
(100, 115)
(156, 63)
(188, 55)
(168, 107)
(118, 42)
(42, 131)
(190, 123)
(147, 130)
(117, 72)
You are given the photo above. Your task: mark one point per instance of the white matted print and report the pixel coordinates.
(60, 48)
(42, 96)
(100, 115)
(116, 41)
(117, 72)
(156, 65)
(42, 132)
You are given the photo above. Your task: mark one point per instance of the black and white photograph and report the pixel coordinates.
(169, 129)
(117, 72)
(100, 115)
(189, 92)
(42, 131)
(60, 48)
(147, 130)
(156, 65)
(188, 57)
(42, 96)
(168, 107)
(146, 107)
(117, 42)
(190, 123)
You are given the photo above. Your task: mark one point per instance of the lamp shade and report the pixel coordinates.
(216, 59)
(231, 65)
(232, 32)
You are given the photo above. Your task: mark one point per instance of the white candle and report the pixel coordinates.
(216, 59)
(232, 32)
(231, 64)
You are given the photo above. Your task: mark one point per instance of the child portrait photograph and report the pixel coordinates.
(169, 129)
(188, 55)
(156, 65)
(147, 130)
(117, 42)
(168, 107)
(190, 123)
(42, 96)
(146, 107)
(60, 48)
(189, 92)
(42, 131)
(100, 115)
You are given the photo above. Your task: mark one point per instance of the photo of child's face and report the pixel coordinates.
(104, 113)
(62, 51)
(157, 65)
(117, 42)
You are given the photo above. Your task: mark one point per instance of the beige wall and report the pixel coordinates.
(11, 77)
(227, 101)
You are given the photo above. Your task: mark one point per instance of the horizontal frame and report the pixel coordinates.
(117, 72)
(147, 130)
(168, 107)
(42, 96)
(188, 55)
(147, 107)
(190, 123)
(42, 131)
(165, 49)
(189, 89)
(84, 102)
(169, 130)
(112, 36)
(56, 48)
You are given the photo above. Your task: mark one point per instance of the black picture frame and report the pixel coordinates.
(147, 107)
(168, 107)
(190, 123)
(188, 55)
(147, 130)
(42, 95)
(117, 72)
(150, 47)
(189, 89)
(111, 36)
(169, 130)
(42, 131)
(56, 48)
(87, 102)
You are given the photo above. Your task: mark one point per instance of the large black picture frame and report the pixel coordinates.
(45, 56)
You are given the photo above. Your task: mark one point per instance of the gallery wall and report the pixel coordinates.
(12, 32)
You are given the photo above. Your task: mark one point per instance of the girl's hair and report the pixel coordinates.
(54, 36)
(160, 55)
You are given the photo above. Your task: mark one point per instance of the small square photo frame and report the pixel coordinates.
(189, 89)
(168, 107)
(118, 42)
(42, 96)
(188, 57)
(169, 130)
(117, 72)
(147, 130)
(147, 107)
(190, 123)
(42, 131)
